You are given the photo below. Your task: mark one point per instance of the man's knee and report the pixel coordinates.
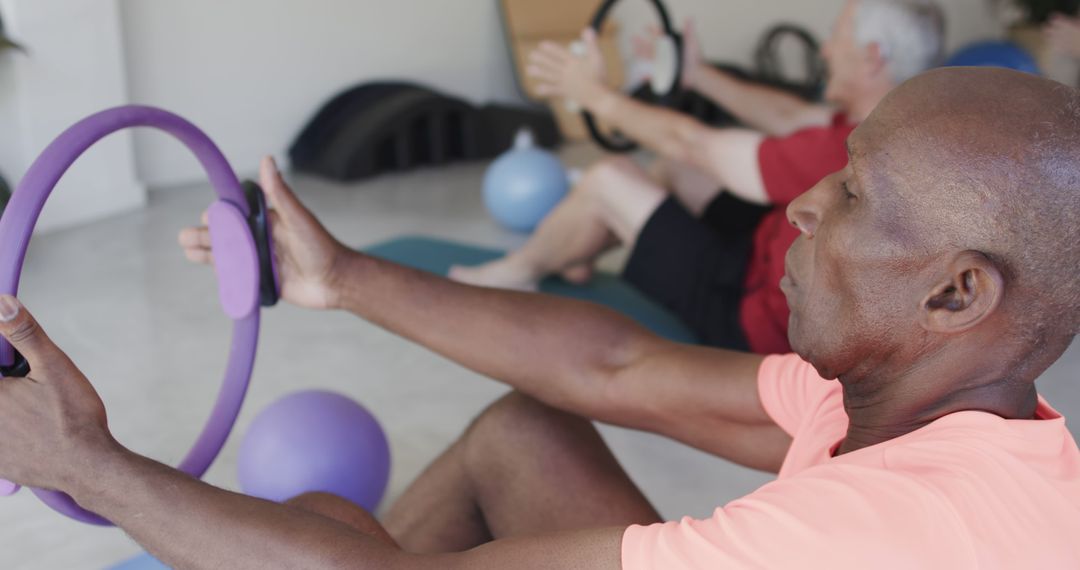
(516, 423)
(608, 173)
(511, 416)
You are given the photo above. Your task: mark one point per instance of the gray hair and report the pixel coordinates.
(909, 33)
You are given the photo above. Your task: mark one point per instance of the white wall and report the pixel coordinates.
(11, 162)
(74, 68)
(730, 29)
(251, 72)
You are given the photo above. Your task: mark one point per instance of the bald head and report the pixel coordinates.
(953, 232)
(992, 160)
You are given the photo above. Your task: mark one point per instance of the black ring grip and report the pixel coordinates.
(767, 59)
(259, 222)
(20, 368)
(669, 99)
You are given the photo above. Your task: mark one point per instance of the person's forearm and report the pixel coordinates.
(560, 351)
(188, 524)
(670, 134)
(772, 111)
(679, 138)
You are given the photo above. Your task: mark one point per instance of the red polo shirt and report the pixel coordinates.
(790, 166)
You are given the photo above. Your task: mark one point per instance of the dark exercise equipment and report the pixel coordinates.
(5, 194)
(667, 95)
(767, 73)
(392, 126)
(770, 69)
(8, 43)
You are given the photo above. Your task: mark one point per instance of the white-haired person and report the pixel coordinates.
(706, 224)
(1063, 34)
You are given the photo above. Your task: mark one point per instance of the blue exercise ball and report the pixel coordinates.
(524, 184)
(994, 54)
(315, 441)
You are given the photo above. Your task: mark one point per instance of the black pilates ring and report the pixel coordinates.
(767, 57)
(670, 98)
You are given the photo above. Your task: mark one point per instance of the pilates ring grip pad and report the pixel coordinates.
(240, 236)
(667, 95)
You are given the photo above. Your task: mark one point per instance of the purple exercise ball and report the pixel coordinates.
(315, 441)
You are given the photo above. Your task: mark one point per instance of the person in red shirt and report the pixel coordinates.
(707, 226)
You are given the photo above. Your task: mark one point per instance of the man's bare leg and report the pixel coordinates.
(610, 205)
(692, 187)
(521, 468)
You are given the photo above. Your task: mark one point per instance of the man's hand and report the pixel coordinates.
(52, 423)
(578, 77)
(1063, 35)
(307, 255)
(644, 48)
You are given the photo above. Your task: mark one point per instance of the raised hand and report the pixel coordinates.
(693, 59)
(563, 73)
(307, 255)
(643, 46)
(1063, 35)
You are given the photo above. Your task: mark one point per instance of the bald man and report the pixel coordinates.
(935, 279)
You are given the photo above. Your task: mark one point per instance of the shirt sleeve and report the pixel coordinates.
(791, 390)
(793, 164)
(827, 518)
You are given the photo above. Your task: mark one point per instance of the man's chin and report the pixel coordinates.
(802, 345)
(807, 354)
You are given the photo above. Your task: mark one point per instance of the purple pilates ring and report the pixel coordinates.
(236, 257)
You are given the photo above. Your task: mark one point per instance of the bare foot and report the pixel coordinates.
(499, 273)
(579, 274)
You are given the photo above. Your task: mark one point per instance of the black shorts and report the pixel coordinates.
(696, 267)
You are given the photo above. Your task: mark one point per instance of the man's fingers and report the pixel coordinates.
(277, 191)
(688, 27)
(197, 245)
(20, 328)
(195, 238)
(543, 76)
(643, 47)
(588, 35)
(592, 44)
(199, 255)
(551, 51)
(537, 68)
(547, 64)
(545, 90)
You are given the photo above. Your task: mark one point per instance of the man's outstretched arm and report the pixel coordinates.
(576, 356)
(188, 524)
(770, 110)
(56, 437)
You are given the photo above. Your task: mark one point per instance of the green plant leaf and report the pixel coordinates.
(7, 43)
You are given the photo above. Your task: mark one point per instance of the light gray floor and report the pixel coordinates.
(145, 327)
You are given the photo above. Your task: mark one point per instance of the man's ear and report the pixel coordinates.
(968, 290)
